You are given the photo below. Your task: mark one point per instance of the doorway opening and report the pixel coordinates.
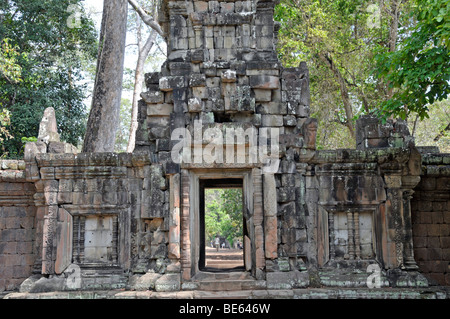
(222, 223)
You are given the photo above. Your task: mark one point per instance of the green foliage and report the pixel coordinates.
(29, 139)
(12, 72)
(4, 124)
(390, 58)
(47, 59)
(223, 214)
(339, 40)
(419, 70)
(9, 68)
(435, 130)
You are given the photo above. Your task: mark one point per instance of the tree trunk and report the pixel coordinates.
(104, 115)
(393, 34)
(442, 133)
(393, 30)
(138, 80)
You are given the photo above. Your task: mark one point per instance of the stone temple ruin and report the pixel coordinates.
(224, 111)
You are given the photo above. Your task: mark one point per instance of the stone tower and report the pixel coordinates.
(221, 108)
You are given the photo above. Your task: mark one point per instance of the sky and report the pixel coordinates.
(95, 8)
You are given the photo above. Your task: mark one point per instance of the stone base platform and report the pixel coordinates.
(309, 293)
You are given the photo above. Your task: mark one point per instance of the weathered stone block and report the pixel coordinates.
(290, 120)
(34, 148)
(198, 56)
(285, 194)
(263, 95)
(272, 120)
(200, 6)
(169, 83)
(153, 97)
(168, 282)
(229, 76)
(61, 148)
(197, 80)
(266, 82)
(160, 109)
(200, 92)
(274, 108)
(195, 105)
(144, 282)
(48, 131)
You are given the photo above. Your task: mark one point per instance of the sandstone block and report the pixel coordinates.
(272, 120)
(160, 109)
(144, 282)
(34, 148)
(153, 97)
(263, 95)
(195, 105)
(168, 282)
(229, 76)
(169, 83)
(48, 130)
(265, 82)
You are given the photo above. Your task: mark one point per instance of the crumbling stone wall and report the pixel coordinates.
(101, 211)
(431, 217)
(17, 225)
(315, 217)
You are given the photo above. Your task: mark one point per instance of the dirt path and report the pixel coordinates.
(224, 258)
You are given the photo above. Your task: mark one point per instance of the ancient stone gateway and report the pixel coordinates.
(223, 111)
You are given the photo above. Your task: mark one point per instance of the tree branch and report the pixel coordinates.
(328, 60)
(442, 133)
(148, 20)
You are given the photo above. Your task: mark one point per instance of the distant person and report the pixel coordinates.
(223, 245)
(217, 243)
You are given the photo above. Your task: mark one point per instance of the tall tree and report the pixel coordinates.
(104, 114)
(45, 57)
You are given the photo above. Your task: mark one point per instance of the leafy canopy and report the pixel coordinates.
(419, 70)
(42, 61)
(339, 40)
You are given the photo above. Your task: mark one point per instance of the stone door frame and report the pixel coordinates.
(190, 215)
(233, 183)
